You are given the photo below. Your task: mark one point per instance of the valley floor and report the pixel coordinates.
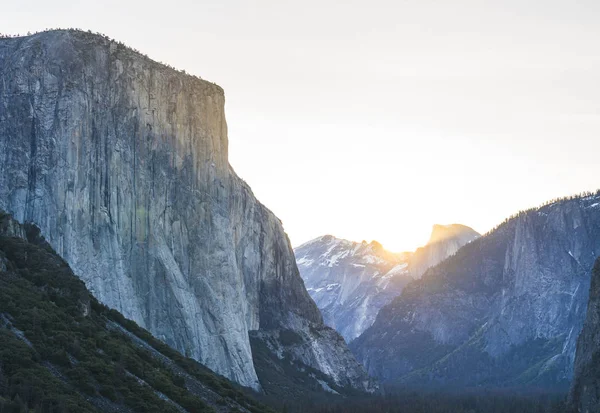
(427, 402)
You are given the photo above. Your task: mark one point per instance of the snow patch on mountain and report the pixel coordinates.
(350, 281)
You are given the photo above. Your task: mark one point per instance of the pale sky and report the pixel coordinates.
(376, 119)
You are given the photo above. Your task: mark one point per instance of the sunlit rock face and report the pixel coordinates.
(350, 281)
(122, 162)
(505, 310)
(445, 240)
(585, 389)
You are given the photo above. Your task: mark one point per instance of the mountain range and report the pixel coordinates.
(138, 272)
(350, 281)
(505, 310)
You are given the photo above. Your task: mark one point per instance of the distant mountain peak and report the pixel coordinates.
(323, 239)
(444, 232)
(376, 245)
(496, 309)
(350, 281)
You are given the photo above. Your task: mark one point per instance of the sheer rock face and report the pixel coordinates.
(585, 389)
(445, 240)
(122, 163)
(505, 310)
(351, 281)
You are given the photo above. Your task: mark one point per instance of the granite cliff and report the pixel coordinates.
(505, 310)
(63, 351)
(122, 162)
(444, 241)
(585, 389)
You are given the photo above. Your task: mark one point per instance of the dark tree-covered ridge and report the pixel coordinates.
(63, 351)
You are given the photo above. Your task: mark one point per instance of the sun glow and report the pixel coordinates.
(395, 190)
(377, 127)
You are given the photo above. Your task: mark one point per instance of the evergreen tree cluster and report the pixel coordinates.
(430, 402)
(62, 351)
(105, 38)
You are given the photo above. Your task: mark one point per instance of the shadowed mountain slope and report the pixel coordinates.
(506, 310)
(63, 351)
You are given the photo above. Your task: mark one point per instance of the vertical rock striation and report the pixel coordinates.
(585, 389)
(122, 162)
(505, 310)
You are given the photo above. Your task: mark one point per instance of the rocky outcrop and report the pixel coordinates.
(445, 240)
(350, 281)
(123, 164)
(585, 389)
(505, 310)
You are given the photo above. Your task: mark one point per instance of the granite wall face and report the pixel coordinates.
(122, 162)
(505, 310)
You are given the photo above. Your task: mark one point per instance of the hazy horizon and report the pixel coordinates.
(376, 122)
